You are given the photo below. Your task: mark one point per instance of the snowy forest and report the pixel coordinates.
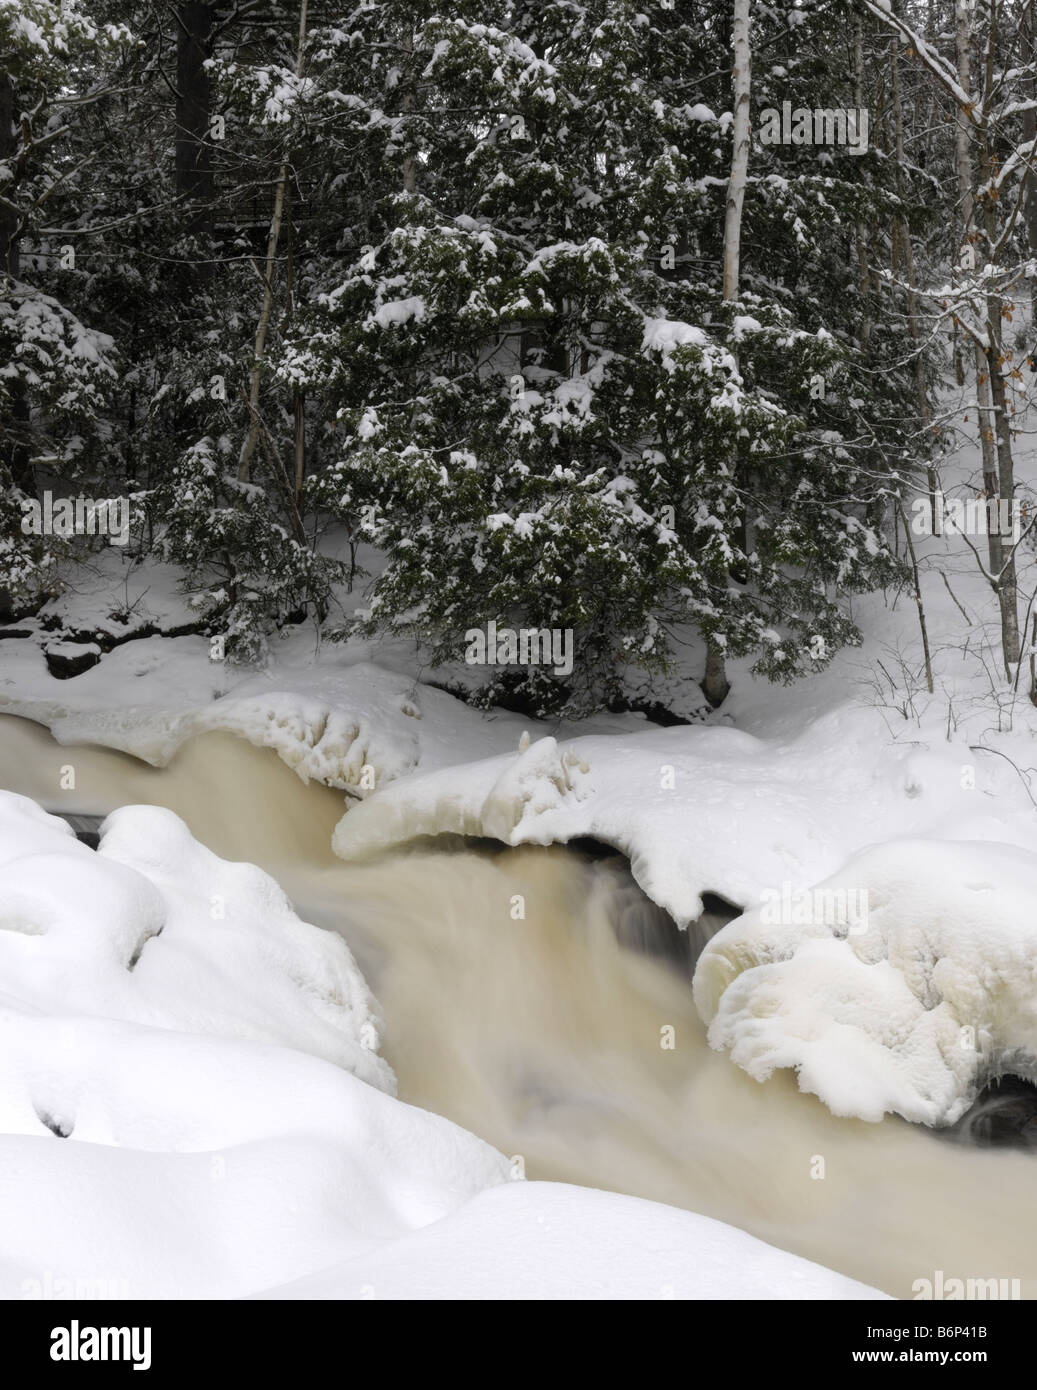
(518, 649)
(290, 278)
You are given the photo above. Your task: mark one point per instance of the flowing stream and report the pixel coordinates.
(545, 1033)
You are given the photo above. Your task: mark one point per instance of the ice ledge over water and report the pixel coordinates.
(698, 809)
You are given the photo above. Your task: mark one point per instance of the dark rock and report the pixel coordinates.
(1004, 1115)
(68, 659)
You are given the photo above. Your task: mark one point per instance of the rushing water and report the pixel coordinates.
(544, 1033)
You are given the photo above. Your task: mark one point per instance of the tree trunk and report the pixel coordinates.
(923, 625)
(861, 232)
(1007, 587)
(963, 165)
(995, 357)
(16, 442)
(194, 177)
(739, 150)
(9, 229)
(1028, 43)
(259, 347)
(715, 685)
(299, 468)
(907, 265)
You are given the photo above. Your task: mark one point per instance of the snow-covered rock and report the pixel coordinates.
(912, 1006)
(504, 798)
(155, 929)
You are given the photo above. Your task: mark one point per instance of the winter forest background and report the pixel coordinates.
(509, 295)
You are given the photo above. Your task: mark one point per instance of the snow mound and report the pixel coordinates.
(153, 928)
(187, 1166)
(555, 1236)
(908, 1006)
(184, 1067)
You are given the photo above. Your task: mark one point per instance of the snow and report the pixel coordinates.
(742, 325)
(663, 335)
(70, 650)
(555, 1237)
(207, 1167)
(169, 1072)
(699, 809)
(154, 929)
(181, 1050)
(328, 711)
(913, 1010)
(826, 777)
(399, 311)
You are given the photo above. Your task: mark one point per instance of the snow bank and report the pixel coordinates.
(912, 1008)
(204, 1166)
(330, 712)
(361, 717)
(702, 808)
(184, 1097)
(346, 723)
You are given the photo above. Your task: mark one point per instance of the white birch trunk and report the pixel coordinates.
(739, 150)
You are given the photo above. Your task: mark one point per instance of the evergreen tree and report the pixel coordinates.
(56, 371)
(540, 416)
(453, 280)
